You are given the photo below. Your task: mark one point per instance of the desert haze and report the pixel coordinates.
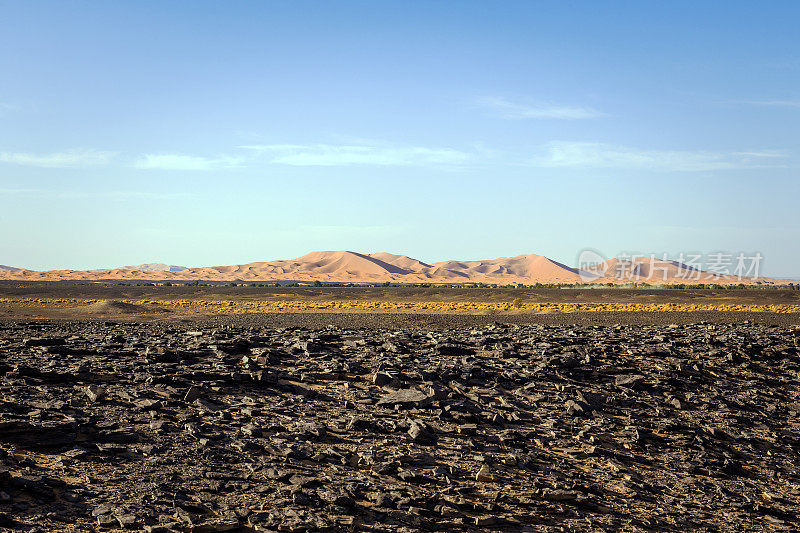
(353, 267)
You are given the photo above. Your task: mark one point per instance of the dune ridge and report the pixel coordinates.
(379, 267)
(155, 267)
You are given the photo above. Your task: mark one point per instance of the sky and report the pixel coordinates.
(206, 133)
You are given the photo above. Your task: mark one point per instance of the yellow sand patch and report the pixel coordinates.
(244, 307)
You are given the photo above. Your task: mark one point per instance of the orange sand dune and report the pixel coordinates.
(656, 271)
(346, 266)
(533, 268)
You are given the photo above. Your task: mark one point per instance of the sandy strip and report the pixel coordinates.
(246, 307)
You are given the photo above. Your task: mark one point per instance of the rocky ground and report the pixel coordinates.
(232, 427)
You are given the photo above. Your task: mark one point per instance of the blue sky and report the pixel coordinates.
(207, 133)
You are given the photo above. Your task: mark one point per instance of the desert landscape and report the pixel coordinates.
(382, 422)
(398, 267)
(354, 392)
(245, 408)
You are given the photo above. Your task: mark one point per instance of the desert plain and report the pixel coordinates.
(191, 408)
(397, 267)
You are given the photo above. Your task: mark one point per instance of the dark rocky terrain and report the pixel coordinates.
(215, 427)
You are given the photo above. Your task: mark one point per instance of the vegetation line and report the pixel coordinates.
(244, 307)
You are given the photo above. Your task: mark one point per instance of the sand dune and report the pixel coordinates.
(649, 270)
(347, 263)
(531, 267)
(347, 266)
(154, 267)
(402, 261)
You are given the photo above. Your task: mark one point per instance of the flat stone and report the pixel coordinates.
(484, 474)
(95, 392)
(405, 398)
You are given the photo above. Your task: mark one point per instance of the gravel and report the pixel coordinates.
(391, 423)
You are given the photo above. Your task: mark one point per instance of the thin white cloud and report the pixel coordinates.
(762, 153)
(504, 108)
(65, 159)
(18, 191)
(772, 103)
(110, 195)
(600, 155)
(345, 155)
(185, 162)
